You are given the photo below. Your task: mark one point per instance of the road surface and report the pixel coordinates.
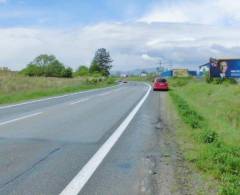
(45, 144)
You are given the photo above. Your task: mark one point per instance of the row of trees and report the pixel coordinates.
(50, 66)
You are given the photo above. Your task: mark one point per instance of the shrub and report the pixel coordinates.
(110, 80)
(231, 81)
(33, 70)
(219, 81)
(82, 71)
(180, 82)
(208, 79)
(67, 73)
(208, 136)
(188, 115)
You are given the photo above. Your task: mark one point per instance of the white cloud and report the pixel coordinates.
(204, 12)
(150, 59)
(132, 45)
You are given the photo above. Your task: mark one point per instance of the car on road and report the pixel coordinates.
(160, 85)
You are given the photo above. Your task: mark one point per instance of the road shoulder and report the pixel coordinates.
(176, 174)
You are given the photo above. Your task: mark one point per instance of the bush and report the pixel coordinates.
(67, 73)
(82, 71)
(33, 70)
(219, 81)
(188, 115)
(208, 136)
(110, 80)
(180, 82)
(55, 69)
(231, 81)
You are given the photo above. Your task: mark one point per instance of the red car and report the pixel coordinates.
(160, 85)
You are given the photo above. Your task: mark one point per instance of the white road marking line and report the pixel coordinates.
(79, 181)
(103, 94)
(20, 118)
(56, 97)
(80, 101)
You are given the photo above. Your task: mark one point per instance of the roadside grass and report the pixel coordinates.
(212, 139)
(17, 88)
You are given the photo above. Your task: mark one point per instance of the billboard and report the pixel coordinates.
(225, 68)
(166, 74)
(180, 72)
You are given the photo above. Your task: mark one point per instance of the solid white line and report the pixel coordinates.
(80, 101)
(56, 97)
(20, 118)
(79, 181)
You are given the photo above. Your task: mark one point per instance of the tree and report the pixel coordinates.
(44, 60)
(67, 73)
(54, 69)
(94, 68)
(101, 62)
(33, 70)
(82, 71)
(46, 65)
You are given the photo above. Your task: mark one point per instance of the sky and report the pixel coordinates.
(137, 33)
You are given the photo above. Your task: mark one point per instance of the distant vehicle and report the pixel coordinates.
(124, 81)
(160, 85)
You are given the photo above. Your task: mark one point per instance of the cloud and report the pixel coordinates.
(206, 12)
(132, 45)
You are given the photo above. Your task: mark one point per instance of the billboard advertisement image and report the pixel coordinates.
(225, 68)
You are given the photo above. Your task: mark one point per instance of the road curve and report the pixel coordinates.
(44, 144)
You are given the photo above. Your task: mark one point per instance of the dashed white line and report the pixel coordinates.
(103, 94)
(80, 180)
(80, 101)
(20, 118)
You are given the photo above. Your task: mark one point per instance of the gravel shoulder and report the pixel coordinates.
(170, 172)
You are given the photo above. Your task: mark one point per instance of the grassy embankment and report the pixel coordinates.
(210, 132)
(17, 88)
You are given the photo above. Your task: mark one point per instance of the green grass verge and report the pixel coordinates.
(211, 140)
(16, 89)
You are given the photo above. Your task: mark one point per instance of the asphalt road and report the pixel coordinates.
(44, 144)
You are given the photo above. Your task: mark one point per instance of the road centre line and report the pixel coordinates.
(103, 94)
(80, 101)
(80, 180)
(20, 118)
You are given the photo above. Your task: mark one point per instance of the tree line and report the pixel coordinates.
(50, 66)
